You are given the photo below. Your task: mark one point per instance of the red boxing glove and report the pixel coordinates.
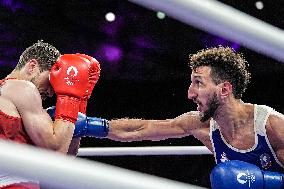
(69, 78)
(94, 74)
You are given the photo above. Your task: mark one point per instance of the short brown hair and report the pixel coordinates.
(44, 53)
(226, 65)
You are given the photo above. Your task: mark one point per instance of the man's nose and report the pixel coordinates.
(191, 93)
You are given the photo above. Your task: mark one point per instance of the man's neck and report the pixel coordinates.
(232, 118)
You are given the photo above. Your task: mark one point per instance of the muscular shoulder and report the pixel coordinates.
(275, 120)
(17, 87)
(275, 129)
(20, 92)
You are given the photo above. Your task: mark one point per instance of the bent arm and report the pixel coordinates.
(43, 132)
(139, 129)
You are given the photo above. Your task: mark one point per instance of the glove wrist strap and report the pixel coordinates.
(67, 108)
(83, 105)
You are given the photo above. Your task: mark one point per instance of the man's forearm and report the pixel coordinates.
(126, 129)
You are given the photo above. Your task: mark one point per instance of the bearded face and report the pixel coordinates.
(212, 105)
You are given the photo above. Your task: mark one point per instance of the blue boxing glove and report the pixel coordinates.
(236, 174)
(90, 126)
(86, 126)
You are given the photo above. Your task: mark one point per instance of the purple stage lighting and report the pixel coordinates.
(110, 53)
(112, 28)
(7, 36)
(8, 51)
(143, 42)
(7, 63)
(13, 5)
(211, 41)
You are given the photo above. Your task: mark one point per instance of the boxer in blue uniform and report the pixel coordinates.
(242, 136)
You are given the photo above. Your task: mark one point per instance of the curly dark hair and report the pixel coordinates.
(226, 65)
(44, 53)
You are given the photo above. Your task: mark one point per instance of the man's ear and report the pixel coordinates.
(32, 66)
(226, 89)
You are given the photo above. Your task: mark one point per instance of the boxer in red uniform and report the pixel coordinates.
(40, 72)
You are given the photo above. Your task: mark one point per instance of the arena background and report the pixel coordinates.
(144, 66)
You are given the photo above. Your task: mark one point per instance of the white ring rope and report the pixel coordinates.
(220, 19)
(144, 151)
(59, 171)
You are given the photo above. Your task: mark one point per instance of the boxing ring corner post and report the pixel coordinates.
(55, 170)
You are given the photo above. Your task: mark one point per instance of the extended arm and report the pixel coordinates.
(139, 129)
(128, 129)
